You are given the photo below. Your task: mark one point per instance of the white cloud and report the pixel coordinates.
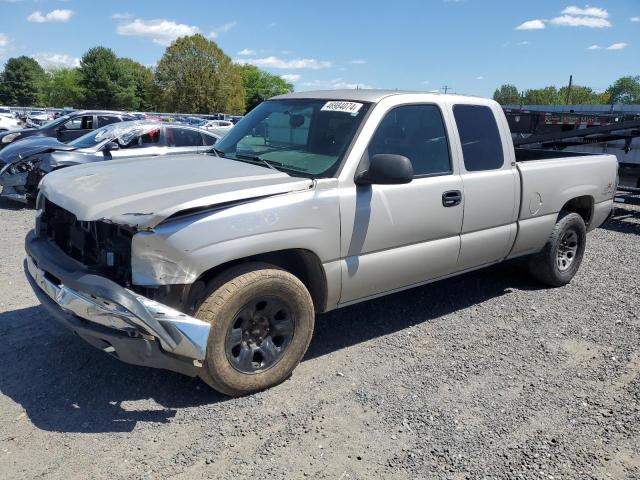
(425, 82)
(121, 16)
(635, 19)
(590, 17)
(52, 16)
(524, 42)
(291, 77)
(276, 62)
(531, 25)
(335, 84)
(586, 11)
(223, 29)
(161, 31)
(617, 46)
(589, 22)
(594, 47)
(246, 52)
(4, 44)
(359, 61)
(56, 60)
(479, 77)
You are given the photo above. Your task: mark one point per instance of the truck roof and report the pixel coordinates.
(363, 95)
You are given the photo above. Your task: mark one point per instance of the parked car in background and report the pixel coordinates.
(218, 270)
(37, 118)
(26, 162)
(221, 127)
(9, 122)
(66, 128)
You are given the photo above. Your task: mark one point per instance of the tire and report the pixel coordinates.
(262, 320)
(557, 263)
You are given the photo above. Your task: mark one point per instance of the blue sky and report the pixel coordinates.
(472, 46)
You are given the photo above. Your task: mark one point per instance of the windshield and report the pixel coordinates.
(94, 138)
(122, 132)
(307, 137)
(56, 122)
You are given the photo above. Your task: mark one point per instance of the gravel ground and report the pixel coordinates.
(482, 376)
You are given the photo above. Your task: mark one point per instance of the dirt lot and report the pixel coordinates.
(482, 376)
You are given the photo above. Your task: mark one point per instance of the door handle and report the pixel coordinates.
(451, 198)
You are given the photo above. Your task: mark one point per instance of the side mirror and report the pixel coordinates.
(110, 146)
(387, 169)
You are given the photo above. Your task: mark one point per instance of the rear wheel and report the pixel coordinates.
(262, 319)
(559, 260)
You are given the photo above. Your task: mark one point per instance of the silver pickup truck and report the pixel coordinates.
(216, 266)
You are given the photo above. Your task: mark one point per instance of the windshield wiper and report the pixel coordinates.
(218, 153)
(257, 158)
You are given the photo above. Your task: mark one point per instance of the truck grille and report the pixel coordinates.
(102, 247)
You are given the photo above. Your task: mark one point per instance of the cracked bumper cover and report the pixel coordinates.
(76, 295)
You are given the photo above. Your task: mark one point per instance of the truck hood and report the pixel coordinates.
(143, 192)
(31, 146)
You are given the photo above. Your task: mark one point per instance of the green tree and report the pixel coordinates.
(100, 74)
(542, 96)
(579, 95)
(507, 95)
(625, 90)
(196, 76)
(63, 88)
(137, 89)
(21, 82)
(260, 85)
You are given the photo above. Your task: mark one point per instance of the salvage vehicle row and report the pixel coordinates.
(27, 161)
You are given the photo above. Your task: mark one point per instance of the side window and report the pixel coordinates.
(183, 137)
(149, 139)
(208, 139)
(84, 122)
(104, 120)
(480, 137)
(418, 133)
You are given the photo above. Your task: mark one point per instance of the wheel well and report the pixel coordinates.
(583, 206)
(302, 263)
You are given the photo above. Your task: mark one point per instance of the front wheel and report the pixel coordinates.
(262, 319)
(557, 263)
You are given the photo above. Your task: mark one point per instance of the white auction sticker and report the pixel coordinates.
(346, 107)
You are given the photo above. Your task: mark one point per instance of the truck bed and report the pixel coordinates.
(528, 154)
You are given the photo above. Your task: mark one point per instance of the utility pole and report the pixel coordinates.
(568, 101)
(446, 88)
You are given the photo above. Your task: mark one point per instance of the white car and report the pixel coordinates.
(219, 127)
(9, 122)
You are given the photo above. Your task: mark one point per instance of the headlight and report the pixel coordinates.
(10, 138)
(22, 166)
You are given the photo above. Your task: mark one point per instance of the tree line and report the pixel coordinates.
(193, 76)
(625, 90)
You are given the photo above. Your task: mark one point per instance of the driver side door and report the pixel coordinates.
(396, 236)
(75, 127)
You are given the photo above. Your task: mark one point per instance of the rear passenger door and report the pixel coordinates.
(104, 120)
(402, 235)
(489, 177)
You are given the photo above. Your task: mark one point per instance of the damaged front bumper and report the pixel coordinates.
(131, 327)
(13, 186)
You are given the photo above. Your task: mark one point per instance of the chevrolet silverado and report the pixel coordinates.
(217, 266)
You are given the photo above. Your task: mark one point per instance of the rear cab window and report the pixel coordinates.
(480, 137)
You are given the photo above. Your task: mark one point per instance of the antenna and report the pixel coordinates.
(569, 90)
